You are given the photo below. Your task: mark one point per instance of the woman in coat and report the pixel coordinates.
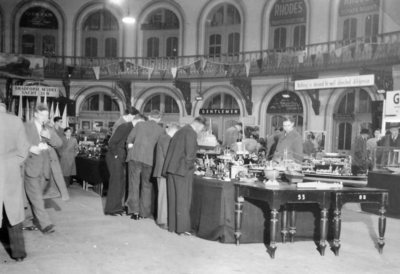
(67, 156)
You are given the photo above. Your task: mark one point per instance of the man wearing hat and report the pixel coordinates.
(392, 139)
(360, 153)
(141, 143)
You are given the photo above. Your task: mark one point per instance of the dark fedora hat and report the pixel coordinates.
(393, 125)
(364, 131)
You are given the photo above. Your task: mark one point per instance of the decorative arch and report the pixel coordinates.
(205, 11)
(214, 90)
(264, 28)
(146, 93)
(83, 14)
(19, 10)
(269, 94)
(149, 8)
(84, 93)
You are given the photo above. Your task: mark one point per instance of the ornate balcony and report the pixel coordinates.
(365, 52)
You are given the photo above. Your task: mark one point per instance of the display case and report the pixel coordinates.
(328, 164)
(386, 158)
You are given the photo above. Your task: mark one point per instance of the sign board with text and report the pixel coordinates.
(35, 91)
(336, 82)
(219, 111)
(392, 103)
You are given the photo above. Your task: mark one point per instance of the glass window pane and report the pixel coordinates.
(90, 47)
(172, 47)
(91, 103)
(111, 47)
(152, 47)
(154, 103)
(233, 42)
(217, 18)
(170, 105)
(49, 45)
(109, 21)
(28, 44)
(233, 16)
(92, 22)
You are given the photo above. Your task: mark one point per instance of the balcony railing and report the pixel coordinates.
(381, 50)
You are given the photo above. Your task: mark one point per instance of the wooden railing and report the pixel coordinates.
(381, 50)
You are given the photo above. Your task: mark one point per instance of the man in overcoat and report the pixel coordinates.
(179, 168)
(13, 151)
(141, 144)
(42, 140)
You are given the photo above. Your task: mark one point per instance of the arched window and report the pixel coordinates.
(221, 101)
(357, 19)
(344, 138)
(223, 30)
(163, 103)
(100, 32)
(101, 103)
(287, 22)
(91, 103)
(38, 32)
(161, 33)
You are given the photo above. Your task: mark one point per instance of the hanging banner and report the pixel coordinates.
(287, 12)
(392, 103)
(35, 91)
(352, 7)
(219, 111)
(21, 66)
(336, 82)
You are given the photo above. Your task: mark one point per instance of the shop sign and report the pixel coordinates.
(35, 91)
(337, 82)
(219, 111)
(287, 12)
(392, 103)
(351, 7)
(280, 104)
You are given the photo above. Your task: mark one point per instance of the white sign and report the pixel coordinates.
(35, 91)
(337, 82)
(392, 103)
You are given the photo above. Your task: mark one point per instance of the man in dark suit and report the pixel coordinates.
(141, 148)
(179, 168)
(115, 159)
(14, 148)
(359, 164)
(37, 165)
(161, 152)
(232, 134)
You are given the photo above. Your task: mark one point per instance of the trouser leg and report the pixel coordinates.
(116, 185)
(162, 201)
(146, 191)
(34, 192)
(183, 187)
(15, 236)
(171, 203)
(134, 184)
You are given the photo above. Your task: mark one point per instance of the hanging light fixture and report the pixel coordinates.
(286, 93)
(128, 19)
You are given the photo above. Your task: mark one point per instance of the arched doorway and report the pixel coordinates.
(223, 111)
(281, 105)
(352, 113)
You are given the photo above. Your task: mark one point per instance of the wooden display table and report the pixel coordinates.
(285, 194)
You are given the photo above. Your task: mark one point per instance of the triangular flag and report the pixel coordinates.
(197, 65)
(57, 111)
(204, 64)
(247, 66)
(51, 113)
(20, 107)
(149, 73)
(38, 100)
(65, 118)
(13, 106)
(27, 112)
(174, 71)
(96, 71)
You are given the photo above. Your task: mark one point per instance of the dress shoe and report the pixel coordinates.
(30, 228)
(136, 216)
(115, 214)
(48, 229)
(19, 259)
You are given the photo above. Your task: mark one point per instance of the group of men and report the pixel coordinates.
(28, 161)
(150, 151)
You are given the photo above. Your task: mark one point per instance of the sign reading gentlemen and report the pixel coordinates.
(219, 111)
(392, 103)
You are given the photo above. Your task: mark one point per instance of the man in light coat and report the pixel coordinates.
(13, 151)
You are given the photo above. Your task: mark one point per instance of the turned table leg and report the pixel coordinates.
(273, 229)
(324, 230)
(337, 222)
(284, 230)
(238, 218)
(382, 228)
(292, 224)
